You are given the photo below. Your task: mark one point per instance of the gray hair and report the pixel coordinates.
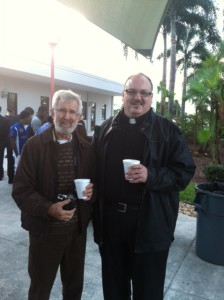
(67, 96)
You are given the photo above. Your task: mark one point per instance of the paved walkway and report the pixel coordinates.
(188, 277)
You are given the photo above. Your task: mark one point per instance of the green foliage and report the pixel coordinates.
(188, 194)
(188, 126)
(205, 89)
(206, 84)
(214, 172)
(176, 108)
(204, 136)
(116, 111)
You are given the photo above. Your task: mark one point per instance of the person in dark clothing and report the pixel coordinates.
(43, 189)
(45, 126)
(135, 213)
(12, 119)
(38, 120)
(10, 157)
(4, 137)
(19, 134)
(30, 110)
(81, 130)
(29, 128)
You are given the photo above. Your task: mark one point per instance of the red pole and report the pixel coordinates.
(52, 75)
(53, 45)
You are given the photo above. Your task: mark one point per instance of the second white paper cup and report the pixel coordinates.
(80, 185)
(128, 163)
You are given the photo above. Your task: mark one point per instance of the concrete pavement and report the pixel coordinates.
(188, 277)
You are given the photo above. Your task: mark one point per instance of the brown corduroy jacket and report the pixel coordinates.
(35, 183)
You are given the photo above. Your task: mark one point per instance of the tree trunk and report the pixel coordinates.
(162, 106)
(172, 63)
(216, 133)
(184, 91)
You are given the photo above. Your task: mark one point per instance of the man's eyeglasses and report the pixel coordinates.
(133, 93)
(64, 112)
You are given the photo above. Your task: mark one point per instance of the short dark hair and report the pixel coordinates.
(42, 108)
(50, 119)
(29, 109)
(24, 114)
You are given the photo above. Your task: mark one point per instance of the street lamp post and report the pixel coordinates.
(52, 44)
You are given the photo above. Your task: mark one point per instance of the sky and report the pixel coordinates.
(27, 29)
(81, 44)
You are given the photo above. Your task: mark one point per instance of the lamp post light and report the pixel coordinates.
(52, 44)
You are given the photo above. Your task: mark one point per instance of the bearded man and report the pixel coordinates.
(44, 191)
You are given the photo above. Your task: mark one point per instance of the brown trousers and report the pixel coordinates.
(59, 247)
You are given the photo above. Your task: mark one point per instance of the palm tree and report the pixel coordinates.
(162, 87)
(208, 84)
(164, 94)
(192, 50)
(198, 14)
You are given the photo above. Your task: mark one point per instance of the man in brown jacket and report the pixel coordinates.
(44, 191)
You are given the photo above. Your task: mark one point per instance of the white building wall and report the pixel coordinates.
(29, 94)
(100, 100)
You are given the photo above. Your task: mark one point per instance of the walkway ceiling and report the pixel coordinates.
(133, 22)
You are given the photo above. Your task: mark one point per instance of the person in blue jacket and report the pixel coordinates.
(136, 212)
(19, 134)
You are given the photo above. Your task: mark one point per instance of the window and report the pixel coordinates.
(84, 110)
(104, 112)
(12, 102)
(93, 115)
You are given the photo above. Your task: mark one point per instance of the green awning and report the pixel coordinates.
(133, 22)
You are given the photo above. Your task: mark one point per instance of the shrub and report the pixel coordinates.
(188, 127)
(188, 194)
(214, 172)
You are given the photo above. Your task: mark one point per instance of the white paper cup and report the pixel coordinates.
(81, 185)
(128, 163)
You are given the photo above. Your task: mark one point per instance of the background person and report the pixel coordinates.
(46, 125)
(4, 135)
(11, 118)
(136, 212)
(40, 118)
(57, 233)
(29, 128)
(81, 130)
(19, 134)
(14, 118)
(30, 110)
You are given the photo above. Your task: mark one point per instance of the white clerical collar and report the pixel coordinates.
(132, 121)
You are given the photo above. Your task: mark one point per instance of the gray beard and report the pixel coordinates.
(65, 131)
